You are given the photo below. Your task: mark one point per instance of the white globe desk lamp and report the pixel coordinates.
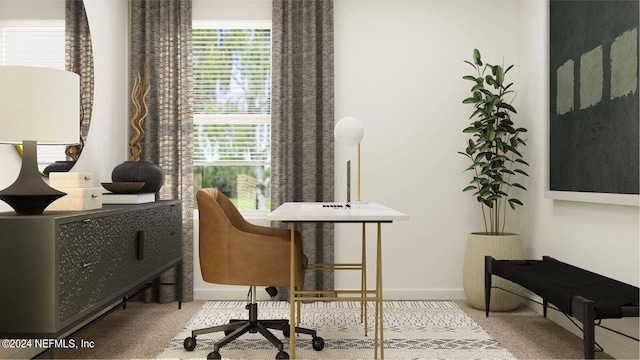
(349, 132)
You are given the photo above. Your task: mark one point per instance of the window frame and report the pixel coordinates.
(199, 119)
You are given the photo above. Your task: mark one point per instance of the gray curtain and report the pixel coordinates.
(161, 41)
(302, 118)
(79, 59)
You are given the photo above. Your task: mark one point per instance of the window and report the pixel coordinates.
(35, 43)
(232, 112)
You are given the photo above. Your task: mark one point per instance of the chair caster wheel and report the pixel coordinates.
(317, 343)
(190, 343)
(282, 355)
(214, 355)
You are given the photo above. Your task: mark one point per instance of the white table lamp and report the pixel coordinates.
(349, 132)
(37, 106)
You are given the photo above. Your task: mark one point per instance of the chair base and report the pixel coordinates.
(235, 328)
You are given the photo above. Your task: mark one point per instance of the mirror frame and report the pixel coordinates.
(78, 55)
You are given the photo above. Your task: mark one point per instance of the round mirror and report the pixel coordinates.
(55, 36)
(79, 59)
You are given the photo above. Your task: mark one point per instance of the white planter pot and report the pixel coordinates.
(501, 247)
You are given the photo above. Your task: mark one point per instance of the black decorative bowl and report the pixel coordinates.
(123, 187)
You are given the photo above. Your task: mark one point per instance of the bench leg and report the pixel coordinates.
(583, 310)
(487, 283)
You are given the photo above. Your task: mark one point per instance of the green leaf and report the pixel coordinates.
(488, 203)
(521, 172)
(515, 201)
(490, 80)
(476, 87)
(499, 75)
(468, 62)
(508, 107)
(476, 57)
(470, 187)
(519, 186)
(469, 101)
(491, 134)
(469, 77)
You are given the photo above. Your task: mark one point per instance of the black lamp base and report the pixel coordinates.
(29, 204)
(29, 194)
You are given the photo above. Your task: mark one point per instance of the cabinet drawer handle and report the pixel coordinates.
(86, 264)
(86, 221)
(140, 239)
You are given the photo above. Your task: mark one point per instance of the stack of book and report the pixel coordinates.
(138, 198)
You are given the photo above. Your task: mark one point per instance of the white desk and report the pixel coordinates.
(300, 212)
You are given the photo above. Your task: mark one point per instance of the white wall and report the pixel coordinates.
(399, 69)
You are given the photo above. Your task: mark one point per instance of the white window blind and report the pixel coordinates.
(32, 43)
(42, 46)
(232, 96)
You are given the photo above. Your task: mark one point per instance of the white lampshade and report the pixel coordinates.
(39, 104)
(349, 131)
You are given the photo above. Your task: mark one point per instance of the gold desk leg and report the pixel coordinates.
(380, 316)
(292, 303)
(363, 305)
(376, 332)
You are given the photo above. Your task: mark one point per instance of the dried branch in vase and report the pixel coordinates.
(138, 100)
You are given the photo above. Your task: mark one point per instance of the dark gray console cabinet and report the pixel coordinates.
(60, 269)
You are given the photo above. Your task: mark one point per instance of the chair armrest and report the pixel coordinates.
(258, 259)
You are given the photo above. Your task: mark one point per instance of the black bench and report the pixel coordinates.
(579, 293)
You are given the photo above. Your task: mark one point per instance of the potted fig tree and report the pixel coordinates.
(496, 162)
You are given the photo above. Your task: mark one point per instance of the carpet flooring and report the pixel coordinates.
(413, 330)
(143, 331)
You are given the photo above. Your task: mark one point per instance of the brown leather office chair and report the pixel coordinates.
(236, 252)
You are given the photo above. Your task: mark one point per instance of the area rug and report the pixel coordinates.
(412, 330)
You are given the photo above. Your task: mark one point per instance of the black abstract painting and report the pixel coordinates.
(594, 121)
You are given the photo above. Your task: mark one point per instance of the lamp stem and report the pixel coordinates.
(358, 172)
(29, 194)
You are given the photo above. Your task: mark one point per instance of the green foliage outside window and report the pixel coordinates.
(232, 97)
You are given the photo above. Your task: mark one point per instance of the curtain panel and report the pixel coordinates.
(79, 59)
(302, 117)
(161, 42)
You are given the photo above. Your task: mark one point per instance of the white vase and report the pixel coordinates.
(502, 247)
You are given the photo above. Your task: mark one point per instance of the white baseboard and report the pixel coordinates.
(618, 346)
(613, 344)
(423, 294)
